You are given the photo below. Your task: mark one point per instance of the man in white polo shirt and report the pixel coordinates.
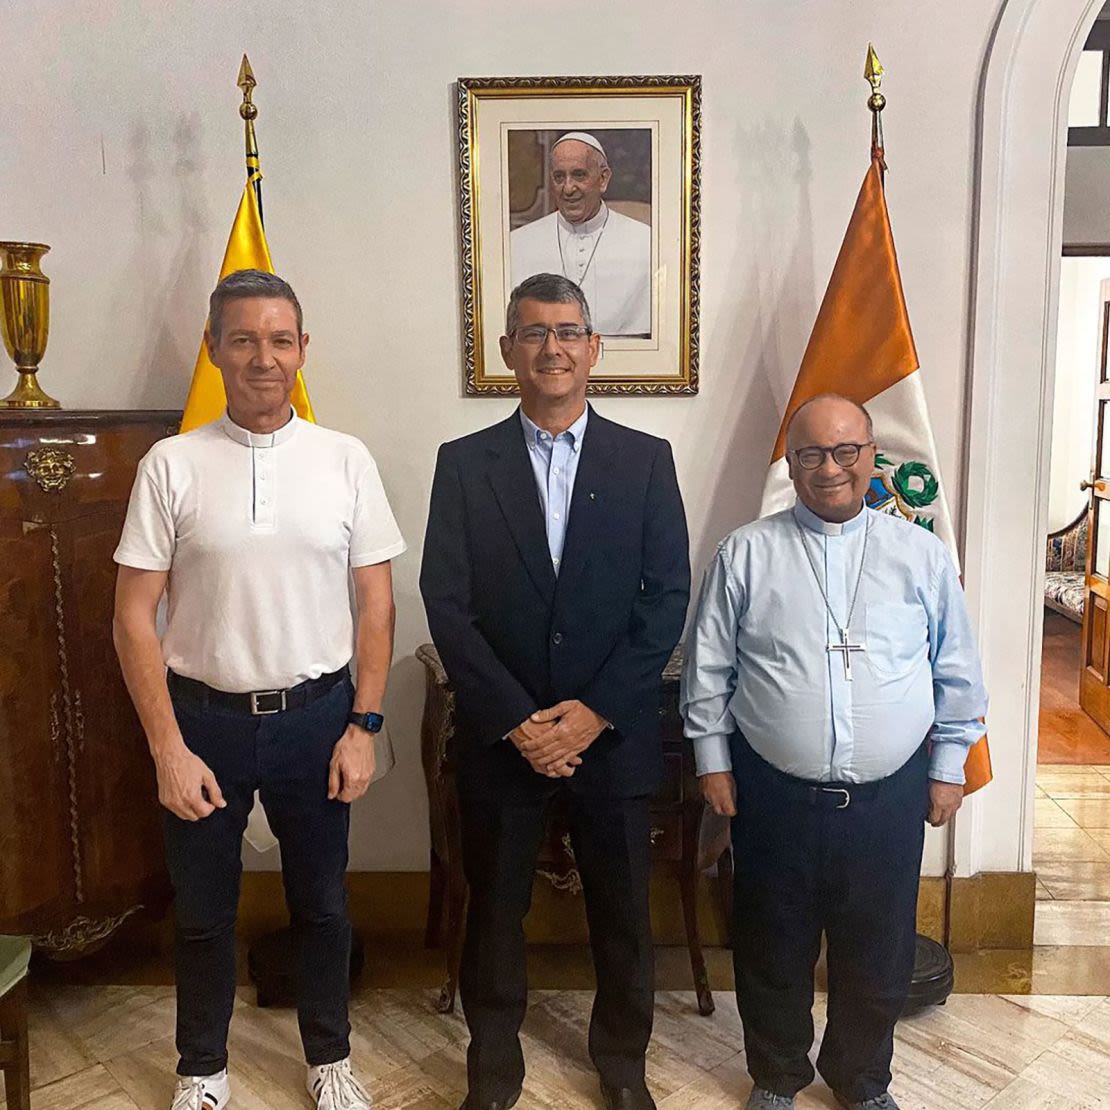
(253, 526)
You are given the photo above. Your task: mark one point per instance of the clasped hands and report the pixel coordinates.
(552, 740)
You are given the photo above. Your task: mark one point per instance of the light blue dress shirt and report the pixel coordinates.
(555, 466)
(757, 657)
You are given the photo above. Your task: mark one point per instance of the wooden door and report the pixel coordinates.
(1094, 681)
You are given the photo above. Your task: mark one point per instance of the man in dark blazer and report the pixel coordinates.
(556, 577)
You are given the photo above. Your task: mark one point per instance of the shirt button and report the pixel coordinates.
(554, 470)
(556, 637)
(555, 515)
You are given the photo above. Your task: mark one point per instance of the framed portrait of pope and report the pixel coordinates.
(596, 179)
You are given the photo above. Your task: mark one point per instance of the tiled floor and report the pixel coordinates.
(1071, 855)
(111, 1048)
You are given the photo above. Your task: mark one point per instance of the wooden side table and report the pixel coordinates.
(687, 837)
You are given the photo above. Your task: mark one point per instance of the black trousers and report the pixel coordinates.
(285, 757)
(611, 838)
(804, 867)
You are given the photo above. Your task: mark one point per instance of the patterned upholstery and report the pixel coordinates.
(1065, 566)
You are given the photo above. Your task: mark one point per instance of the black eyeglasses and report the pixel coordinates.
(535, 335)
(843, 454)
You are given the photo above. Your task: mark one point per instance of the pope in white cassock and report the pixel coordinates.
(606, 254)
(832, 690)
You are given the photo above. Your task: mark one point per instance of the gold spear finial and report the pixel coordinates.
(873, 73)
(247, 82)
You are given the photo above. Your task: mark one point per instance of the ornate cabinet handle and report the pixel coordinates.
(51, 467)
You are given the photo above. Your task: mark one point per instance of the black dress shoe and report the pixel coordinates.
(469, 1103)
(626, 1098)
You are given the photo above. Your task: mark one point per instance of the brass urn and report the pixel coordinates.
(25, 321)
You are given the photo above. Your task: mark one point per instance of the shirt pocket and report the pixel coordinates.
(897, 637)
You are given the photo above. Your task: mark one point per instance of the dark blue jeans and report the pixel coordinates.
(285, 757)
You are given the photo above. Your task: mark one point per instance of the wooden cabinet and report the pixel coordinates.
(80, 828)
(687, 837)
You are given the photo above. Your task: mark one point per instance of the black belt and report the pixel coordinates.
(820, 795)
(256, 703)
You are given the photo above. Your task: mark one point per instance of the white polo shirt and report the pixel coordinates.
(257, 533)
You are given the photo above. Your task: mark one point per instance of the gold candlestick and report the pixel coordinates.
(25, 321)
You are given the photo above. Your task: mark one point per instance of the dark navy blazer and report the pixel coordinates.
(515, 638)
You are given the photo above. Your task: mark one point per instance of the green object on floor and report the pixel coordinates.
(15, 954)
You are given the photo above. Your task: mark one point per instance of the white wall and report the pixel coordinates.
(122, 148)
(1073, 410)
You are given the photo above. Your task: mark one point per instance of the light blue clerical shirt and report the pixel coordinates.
(555, 466)
(758, 655)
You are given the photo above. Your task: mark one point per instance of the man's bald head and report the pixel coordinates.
(831, 489)
(819, 411)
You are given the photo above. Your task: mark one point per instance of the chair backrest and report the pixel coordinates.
(1066, 550)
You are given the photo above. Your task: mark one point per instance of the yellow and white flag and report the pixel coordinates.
(861, 347)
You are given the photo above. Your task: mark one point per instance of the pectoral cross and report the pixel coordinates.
(845, 647)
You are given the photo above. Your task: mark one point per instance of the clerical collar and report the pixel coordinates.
(257, 439)
(590, 227)
(814, 523)
(535, 435)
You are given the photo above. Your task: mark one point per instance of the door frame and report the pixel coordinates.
(1016, 247)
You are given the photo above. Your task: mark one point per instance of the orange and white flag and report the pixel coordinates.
(862, 348)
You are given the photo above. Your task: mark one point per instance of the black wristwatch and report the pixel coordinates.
(371, 722)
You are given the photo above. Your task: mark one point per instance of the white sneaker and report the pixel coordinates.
(334, 1087)
(202, 1092)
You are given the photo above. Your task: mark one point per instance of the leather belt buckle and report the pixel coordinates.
(838, 790)
(263, 706)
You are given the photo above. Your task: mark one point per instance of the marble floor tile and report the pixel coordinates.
(1041, 892)
(109, 1021)
(1014, 1052)
(1057, 1081)
(1067, 1008)
(1076, 880)
(1044, 769)
(1080, 782)
(1087, 813)
(1072, 923)
(92, 1089)
(1066, 844)
(1048, 814)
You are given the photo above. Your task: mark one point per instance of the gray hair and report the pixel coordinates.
(547, 289)
(832, 397)
(241, 284)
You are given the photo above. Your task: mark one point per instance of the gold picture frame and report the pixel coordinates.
(646, 281)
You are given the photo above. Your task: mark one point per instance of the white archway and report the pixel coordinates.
(1022, 122)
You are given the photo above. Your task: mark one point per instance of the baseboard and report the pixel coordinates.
(989, 910)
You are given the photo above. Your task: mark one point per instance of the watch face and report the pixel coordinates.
(372, 722)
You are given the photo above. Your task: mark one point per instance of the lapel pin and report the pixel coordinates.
(593, 496)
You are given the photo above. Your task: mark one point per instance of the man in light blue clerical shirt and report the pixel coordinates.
(832, 689)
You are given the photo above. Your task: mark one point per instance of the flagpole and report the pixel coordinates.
(249, 111)
(873, 72)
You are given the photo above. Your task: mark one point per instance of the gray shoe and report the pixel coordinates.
(885, 1101)
(760, 1099)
